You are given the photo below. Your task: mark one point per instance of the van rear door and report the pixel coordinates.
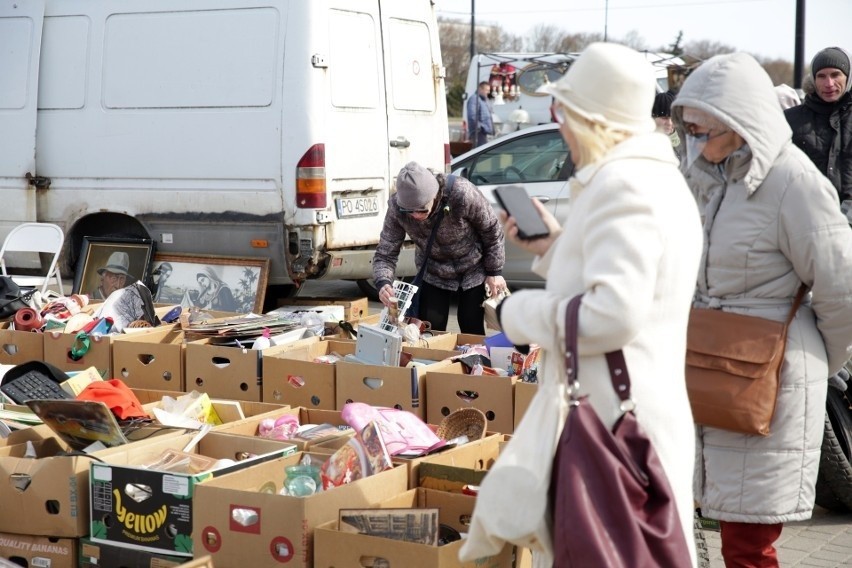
(20, 48)
(416, 102)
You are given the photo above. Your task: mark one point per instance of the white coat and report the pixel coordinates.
(771, 221)
(631, 243)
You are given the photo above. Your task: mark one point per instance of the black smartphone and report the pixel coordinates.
(516, 203)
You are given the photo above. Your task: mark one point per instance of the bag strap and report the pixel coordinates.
(448, 185)
(797, 301)
(614, 359)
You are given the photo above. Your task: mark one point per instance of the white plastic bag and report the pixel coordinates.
(512, 504)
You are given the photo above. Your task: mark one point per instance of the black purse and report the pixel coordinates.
(11, 298)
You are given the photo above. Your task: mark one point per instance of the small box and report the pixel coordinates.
(249, 426)
(397, 387)
(132, 505)
(280, 528)
(223, 371)
(450, 388)
(335, 548)
(39, 551)
(102, 555)
(58, 346)
(293, 377)
(150, 359)
(18, 347)
(524, 393)
(353, 308)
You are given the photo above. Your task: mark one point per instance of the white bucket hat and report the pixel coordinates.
(610, 84)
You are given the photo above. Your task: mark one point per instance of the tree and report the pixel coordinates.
(675, 48)
(779, 70)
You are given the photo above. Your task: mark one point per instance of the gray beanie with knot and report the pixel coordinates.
(830, 57)
(416, 186)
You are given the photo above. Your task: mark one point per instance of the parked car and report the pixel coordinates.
(534, 159)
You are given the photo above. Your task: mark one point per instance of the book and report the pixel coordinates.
(409, 525)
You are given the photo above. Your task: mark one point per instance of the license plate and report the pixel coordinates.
(357, 207)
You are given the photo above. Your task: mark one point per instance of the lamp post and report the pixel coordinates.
(606, 18)
(472, 29)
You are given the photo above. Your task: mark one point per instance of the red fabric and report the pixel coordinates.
(117, 396)
(749, 545)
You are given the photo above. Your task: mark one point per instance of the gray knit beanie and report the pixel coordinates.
(830, 57)
(415, 186)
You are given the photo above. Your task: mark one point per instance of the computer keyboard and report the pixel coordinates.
(33, 386)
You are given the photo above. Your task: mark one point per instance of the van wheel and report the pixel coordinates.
(368, 288)
(834, 482)
(277, 292)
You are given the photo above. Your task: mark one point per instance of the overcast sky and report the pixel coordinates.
(761, 27)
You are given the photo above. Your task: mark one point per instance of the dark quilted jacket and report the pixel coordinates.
(467, 248)
(824, 132)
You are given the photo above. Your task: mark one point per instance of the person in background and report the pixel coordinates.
(661, 112)
(822, 124)
(114, 275)
(479, 122)
(467, 253)
(771, 223)
(630, 243)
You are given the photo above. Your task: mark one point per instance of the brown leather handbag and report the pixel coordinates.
(733, 367)
(611, 500)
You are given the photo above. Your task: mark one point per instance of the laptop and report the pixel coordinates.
(80, 423)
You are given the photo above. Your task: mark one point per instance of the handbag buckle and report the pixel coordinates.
(628, 405)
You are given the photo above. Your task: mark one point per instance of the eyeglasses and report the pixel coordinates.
(405, 211)
(703, 136)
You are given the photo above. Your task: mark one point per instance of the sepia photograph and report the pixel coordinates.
(109, 264)
(226, 284)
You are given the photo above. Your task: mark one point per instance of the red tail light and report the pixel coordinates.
(448, 157)
(310, 179)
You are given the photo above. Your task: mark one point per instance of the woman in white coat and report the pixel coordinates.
(771, 222)
(630, 242)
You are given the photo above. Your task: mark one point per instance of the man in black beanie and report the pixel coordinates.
(822, 124)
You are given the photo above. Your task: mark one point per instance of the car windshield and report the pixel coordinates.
(538, 157)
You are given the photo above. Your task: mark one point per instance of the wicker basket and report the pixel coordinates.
(470, 422)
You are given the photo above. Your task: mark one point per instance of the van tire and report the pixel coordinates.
(368, 288)
(276, 292)
(834, 482)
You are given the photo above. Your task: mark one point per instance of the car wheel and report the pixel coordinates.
(834, 482)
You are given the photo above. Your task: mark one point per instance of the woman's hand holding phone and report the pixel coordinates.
(536, 246)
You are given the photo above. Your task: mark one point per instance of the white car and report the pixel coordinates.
(535, 159)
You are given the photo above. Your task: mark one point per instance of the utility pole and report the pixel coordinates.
(606, 19)
(799, 54)
(472, 29)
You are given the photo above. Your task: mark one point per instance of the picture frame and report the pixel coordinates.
(233, 284)
(129, 256)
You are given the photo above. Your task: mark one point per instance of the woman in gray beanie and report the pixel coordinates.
(467, 253)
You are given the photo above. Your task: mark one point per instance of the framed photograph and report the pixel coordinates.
(107, 264)
(221, 283)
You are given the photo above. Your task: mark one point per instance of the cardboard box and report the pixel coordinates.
(397, 387)
(223, 371)
(353, 308)
(39, 551)
(450, 389)
(335, 548)
(248, 426)
(57, 352)
(101, 555)
(452, 341)
(524, 393)
(132, 505)
(293, 377)
(53, 489)
(227, 410)
(282, 531)
(18, 347)
(150, 359)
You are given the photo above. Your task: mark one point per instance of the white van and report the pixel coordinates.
(247, 128)
(515, 77)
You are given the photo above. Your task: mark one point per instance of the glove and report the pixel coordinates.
(840, 380)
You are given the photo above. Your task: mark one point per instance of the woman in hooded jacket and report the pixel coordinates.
(771, 222)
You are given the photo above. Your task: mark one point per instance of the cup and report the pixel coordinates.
(302, 480)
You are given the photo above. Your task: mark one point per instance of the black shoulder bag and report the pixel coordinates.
(414, 308)
(11, 298)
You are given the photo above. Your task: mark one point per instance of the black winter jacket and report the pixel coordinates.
(824, 132)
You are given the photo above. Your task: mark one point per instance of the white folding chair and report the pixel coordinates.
(35, 238)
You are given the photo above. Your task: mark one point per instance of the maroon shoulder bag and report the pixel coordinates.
(612, 503)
